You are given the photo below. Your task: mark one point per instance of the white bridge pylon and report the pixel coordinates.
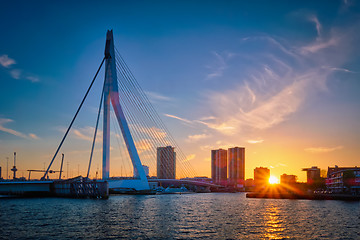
(111, 96)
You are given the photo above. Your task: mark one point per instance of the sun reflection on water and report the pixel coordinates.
(274, 226)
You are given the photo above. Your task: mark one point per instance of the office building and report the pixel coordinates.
(166, 162)
(236, 166)
(261, 176)
(219, 166)
(287, 179)
(312, 174)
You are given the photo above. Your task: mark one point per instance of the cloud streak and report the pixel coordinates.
(178, 118)
(157, 97)
(322, 149)
(318, 26)
(218, 67)
(34, 136)
(149, 131)
(255, 141)
(4, 121)
(317, 46)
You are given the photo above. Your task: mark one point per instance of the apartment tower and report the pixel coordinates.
(236, 166)
(166, 162)
(219, 166)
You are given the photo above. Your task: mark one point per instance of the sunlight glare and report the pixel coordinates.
(273, 180)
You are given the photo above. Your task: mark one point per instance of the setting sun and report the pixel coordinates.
(273, 180)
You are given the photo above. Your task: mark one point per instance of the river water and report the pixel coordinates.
(187, 216)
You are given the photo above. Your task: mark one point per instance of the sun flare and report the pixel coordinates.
(273, 180)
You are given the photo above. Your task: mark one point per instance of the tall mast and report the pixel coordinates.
(111, 93)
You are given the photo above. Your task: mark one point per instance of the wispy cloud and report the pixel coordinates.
(318, 26)
(218, 66)
(207, 159)
(206, 147)
(149, 131)
(32, 79)
(218, 145)
(5, 61)
(86, 133)
(197, 137)
(80, 135)
(178, 118)
(19, 74)
(276, 86)
(322, 149)
(320, 45)
(4, 121)
(338, 69)
(255, 141)
(190, 157)
(16, 73)
(33, 136)
(143, 145)
(157, 97)
(224, 127)
(232, 112)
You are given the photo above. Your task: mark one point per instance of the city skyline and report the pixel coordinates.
(281, 83)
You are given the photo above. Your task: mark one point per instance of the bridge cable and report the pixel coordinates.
(159, 122)
(96, 127)
(67, 131)
(141, 102)
(140, 95)
(143, 132)
(139, 134)
(136, 122)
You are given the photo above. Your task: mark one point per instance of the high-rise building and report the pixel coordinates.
(166, 162)
(219, 166)
(261, 176)
(236, 166)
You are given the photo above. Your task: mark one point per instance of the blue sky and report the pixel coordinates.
(280, 78)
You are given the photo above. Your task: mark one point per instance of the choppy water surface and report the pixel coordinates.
(190, 216)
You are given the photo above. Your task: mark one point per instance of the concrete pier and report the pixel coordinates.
(71, 188)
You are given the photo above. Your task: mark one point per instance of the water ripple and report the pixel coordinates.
(192, 216)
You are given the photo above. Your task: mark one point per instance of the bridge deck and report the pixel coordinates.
(58, 188)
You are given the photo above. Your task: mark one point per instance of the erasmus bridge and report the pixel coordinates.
(141, 128)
